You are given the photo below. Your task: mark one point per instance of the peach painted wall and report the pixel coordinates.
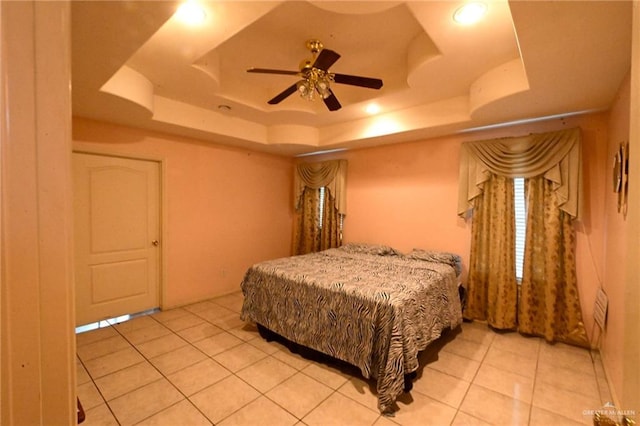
(616, 247)
(226, 208)
(405, 195)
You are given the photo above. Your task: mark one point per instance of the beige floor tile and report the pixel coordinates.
(362, 391)
(102, 347)
(477, 332)
(510, 361)
(297, 361)
(464, 419)
(441, 387)
(267, 347)
(115, 361)
(514, 342)
(99, 416)
(135, 324)
(540, 417)
(199, 332)
(601, 379)
(566, 356)
(385, 421)
(140, 335)
(271, 382)
(186, 321)
(229, 322)
(224, 398)
(299, 394)
(564, 403)
(218, 343)
(95, 335)
(505, 382)
(337, 409)
(455, 365)
(182, 413)
(81, 373)
(467, 348)
(231, 301)
(327, 374)
(239, 357)
(417, 409)
(89, 395)
(571, 380)
(246, 332)
(198, 376)
(178, 359)
(161, 345)
(266, 373)
(199, 306)
(215, 312)
(123, 381)
(494, 407)
(261, 411)
(145, 401)
(170, 314)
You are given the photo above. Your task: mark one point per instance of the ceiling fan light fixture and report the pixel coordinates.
(306, 90)
(316, 78)
(323, 87)
(470, 13)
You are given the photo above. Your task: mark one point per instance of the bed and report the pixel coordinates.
(368, 305)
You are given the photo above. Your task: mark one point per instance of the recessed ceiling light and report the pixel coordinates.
(470, 13)
(191, 13)
(372, 109)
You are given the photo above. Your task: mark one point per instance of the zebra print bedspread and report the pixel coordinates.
(373, 309)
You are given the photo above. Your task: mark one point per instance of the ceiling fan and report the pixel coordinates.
(316, 77)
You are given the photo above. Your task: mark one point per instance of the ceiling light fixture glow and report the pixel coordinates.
(372, 109)
(191, 13)
(470, 13)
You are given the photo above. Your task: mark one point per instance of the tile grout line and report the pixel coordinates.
(533, 385)
(163, 376)
(458, 409)
(104, 400)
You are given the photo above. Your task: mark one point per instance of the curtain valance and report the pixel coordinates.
(556, 155)
(332, 174)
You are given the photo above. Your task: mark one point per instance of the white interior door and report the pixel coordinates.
(117, 236)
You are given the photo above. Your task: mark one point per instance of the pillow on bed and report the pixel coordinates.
(374, 249)
(451, 259)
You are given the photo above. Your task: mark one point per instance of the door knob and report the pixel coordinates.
(155, 243)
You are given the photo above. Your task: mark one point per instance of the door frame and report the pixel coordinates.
(79, 148)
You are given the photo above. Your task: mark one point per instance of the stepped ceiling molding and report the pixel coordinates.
(138, 64)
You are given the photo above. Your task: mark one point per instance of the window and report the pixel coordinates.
(321, 207)
(521, 224)
(324, 191)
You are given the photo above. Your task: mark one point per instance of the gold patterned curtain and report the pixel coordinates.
(492, 289)
(314, 231)
(549, 303)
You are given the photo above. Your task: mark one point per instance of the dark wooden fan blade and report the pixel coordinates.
(332, 102)
(284, 94)
(354, 80)
(270, 71)
(325, 59)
